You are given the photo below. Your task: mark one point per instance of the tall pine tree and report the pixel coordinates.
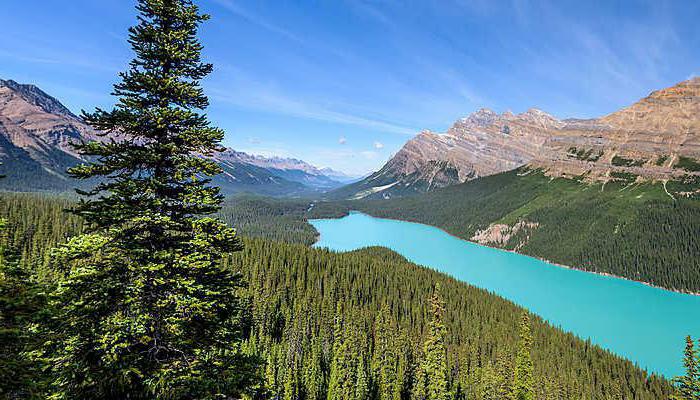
(689, 385)
(342, 379)
(523, 381)
(431, 378)
(384, 363)
(147, 309)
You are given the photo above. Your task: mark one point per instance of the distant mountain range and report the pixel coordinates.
(36, 131)
(657, 138)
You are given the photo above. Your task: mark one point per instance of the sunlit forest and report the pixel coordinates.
(150, 283)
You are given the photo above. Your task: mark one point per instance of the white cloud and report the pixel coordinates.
(342, 140)
(378, 145)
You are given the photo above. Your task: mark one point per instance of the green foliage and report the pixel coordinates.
(431, 378)
(627, 162)
(523, 387)
(295, 294)
(584, 155)
(35, 224)
(689, 384)
(277, 219)
(21, 302)
(623, 177)
(339, 308)
(145, 308)
(661, 160)
(385, 362)
(688, 164)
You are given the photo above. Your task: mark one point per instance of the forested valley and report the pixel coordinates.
(323, 325)
(142, 288)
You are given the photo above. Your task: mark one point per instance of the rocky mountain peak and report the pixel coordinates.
(481, 118)
(537, 117)
(37, 97)
(37, 132)
(275, 162)
(645, 140)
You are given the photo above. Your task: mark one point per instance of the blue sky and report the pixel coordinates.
(346, 83)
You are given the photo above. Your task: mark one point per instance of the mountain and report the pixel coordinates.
(288, 169)
(657, 138)
(339, 176)
(35, 135)
(36, 131)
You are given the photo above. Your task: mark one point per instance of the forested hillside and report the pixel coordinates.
(637, 231)
(143, 289)
(319, 318)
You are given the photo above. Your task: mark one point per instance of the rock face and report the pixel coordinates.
(646, 140)
(500, 234)
(36, 131)
(35, 135)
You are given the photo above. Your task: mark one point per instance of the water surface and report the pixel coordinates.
(644, 324)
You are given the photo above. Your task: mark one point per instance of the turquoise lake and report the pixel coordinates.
(644, 324)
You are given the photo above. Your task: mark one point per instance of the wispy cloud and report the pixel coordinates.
(631, 57)
(50, 58)
(257, 20)
(253, 95)
(378, 145)
(275, 28)
(369, 154)
(369, 10)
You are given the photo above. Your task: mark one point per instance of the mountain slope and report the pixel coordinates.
(292, 175)
(657, 138)
(35, 135)
(36, 131)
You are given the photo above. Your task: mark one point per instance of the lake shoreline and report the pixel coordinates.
(635, 320)
(606, 274)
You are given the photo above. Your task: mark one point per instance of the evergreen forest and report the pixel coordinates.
(149, 284)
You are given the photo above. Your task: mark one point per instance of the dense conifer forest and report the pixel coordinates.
(322, 323)
(143, 289)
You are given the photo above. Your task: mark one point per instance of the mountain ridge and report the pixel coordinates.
(36, 132)
(647, 139)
